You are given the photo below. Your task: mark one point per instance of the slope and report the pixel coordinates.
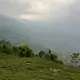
(17, 32)
(15, 68)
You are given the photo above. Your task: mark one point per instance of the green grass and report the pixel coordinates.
(16, 68)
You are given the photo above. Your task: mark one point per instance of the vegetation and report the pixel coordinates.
(41, 54)
(21, 68)
(20, 63)
(74, 57)
(22, 50)
(49, 56)
(25, 51)
(6, 47)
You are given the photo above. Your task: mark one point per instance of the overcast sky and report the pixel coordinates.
(51, 34)
(40, 9)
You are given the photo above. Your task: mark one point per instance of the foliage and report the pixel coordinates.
(59, 61)
(16, 68)
(53, 57)
(25, 51)
(16, 50)
(41, 53)
(48, 56)
(6, 47)
(35, 68)
(74, 57)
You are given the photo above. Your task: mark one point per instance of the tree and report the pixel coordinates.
(6, 47)
(25, 51)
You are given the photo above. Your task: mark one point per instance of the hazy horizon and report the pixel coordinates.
(55, 23)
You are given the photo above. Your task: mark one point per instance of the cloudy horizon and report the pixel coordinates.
(56, 23)
(43, 10)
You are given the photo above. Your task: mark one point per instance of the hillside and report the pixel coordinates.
(21, 63)
(15, 68)
(17, 32)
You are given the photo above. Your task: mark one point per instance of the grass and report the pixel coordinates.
(16, 68)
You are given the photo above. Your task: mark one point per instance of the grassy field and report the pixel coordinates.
(16, 68)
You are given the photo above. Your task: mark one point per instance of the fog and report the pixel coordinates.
(55, 24)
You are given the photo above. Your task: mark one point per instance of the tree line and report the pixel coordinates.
(24, 50)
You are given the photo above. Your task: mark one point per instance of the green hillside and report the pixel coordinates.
(21, 63)
(16, 68)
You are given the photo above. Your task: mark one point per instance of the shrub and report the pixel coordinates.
(50, 56)
(53, 57)
(41, 53)
(8, 49)
(59, 61)
(22, 53)
(25, 51)
(29, 53)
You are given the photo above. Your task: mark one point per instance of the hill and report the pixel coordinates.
(15, 68)
(17, 32)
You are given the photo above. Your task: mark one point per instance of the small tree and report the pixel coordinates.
(25, 51)
(6, 47)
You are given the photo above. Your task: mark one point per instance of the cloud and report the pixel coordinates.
(47, 9)
(36, 9)
(75, 13)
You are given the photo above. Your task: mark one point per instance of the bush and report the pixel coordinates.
(16, 49)
(50, 56)
(53, 57)
(29, 53)
(41, 53)
(7, 49)
(22, 53)
(25, 51)
(59, 61)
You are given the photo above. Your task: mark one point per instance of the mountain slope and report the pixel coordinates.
(35, 69)
(17, 32)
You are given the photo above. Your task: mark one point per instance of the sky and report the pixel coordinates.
(54, 11)
(43, 10)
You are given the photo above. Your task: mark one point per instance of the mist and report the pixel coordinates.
(54, 24)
